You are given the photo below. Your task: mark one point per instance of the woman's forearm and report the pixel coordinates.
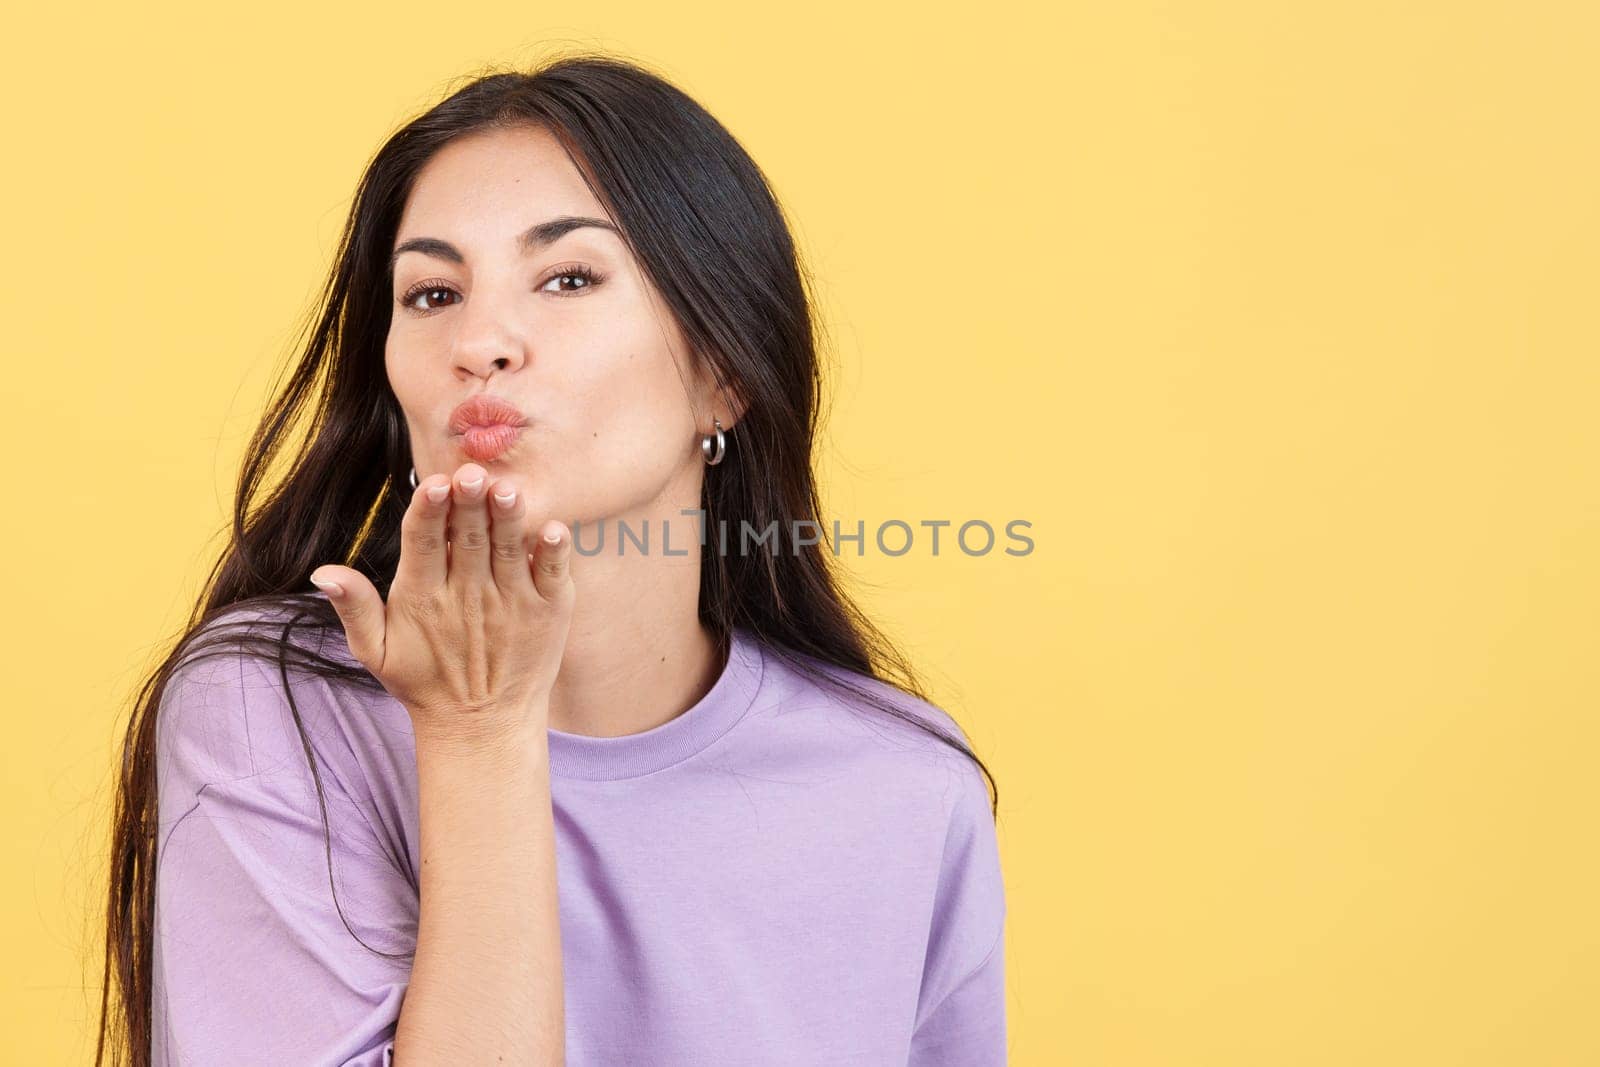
(486, 984)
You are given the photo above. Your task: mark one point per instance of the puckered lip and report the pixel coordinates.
(485, 410)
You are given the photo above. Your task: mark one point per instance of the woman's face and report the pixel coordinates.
(567, 329)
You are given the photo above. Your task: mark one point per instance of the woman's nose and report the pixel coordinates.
(480, 366)
(485, 343)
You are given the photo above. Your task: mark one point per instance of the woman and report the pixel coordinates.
(644, 794)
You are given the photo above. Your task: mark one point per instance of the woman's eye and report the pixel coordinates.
(409, 301)
(583, 276)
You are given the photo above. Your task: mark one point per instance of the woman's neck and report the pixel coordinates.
(637, 655)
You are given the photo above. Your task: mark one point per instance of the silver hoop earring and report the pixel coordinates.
(413, 478)
(706, 448)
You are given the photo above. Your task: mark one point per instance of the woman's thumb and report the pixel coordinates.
(360, 609)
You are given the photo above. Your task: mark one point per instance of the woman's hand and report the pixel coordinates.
(473, 633)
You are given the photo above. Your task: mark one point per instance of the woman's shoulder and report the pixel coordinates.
(802, 680)
(257, 684)
(869, 725)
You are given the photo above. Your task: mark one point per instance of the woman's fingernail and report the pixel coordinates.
(505, 500)
(472, 486)
(553, 538)
(437, 493)
(331, 588)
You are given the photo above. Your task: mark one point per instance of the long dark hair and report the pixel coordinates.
(707, 231)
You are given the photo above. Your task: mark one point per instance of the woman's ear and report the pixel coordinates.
(735, 404)
(717, 399)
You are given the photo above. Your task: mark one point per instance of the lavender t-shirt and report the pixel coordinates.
(772, 877)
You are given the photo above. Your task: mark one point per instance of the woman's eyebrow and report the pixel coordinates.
(532, 239)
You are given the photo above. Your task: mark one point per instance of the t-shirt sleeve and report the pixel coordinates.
(961, 1013)
(253, 959)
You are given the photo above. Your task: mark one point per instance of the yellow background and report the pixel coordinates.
(1277, 321)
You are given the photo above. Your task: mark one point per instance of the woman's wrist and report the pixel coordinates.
(488, 738)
